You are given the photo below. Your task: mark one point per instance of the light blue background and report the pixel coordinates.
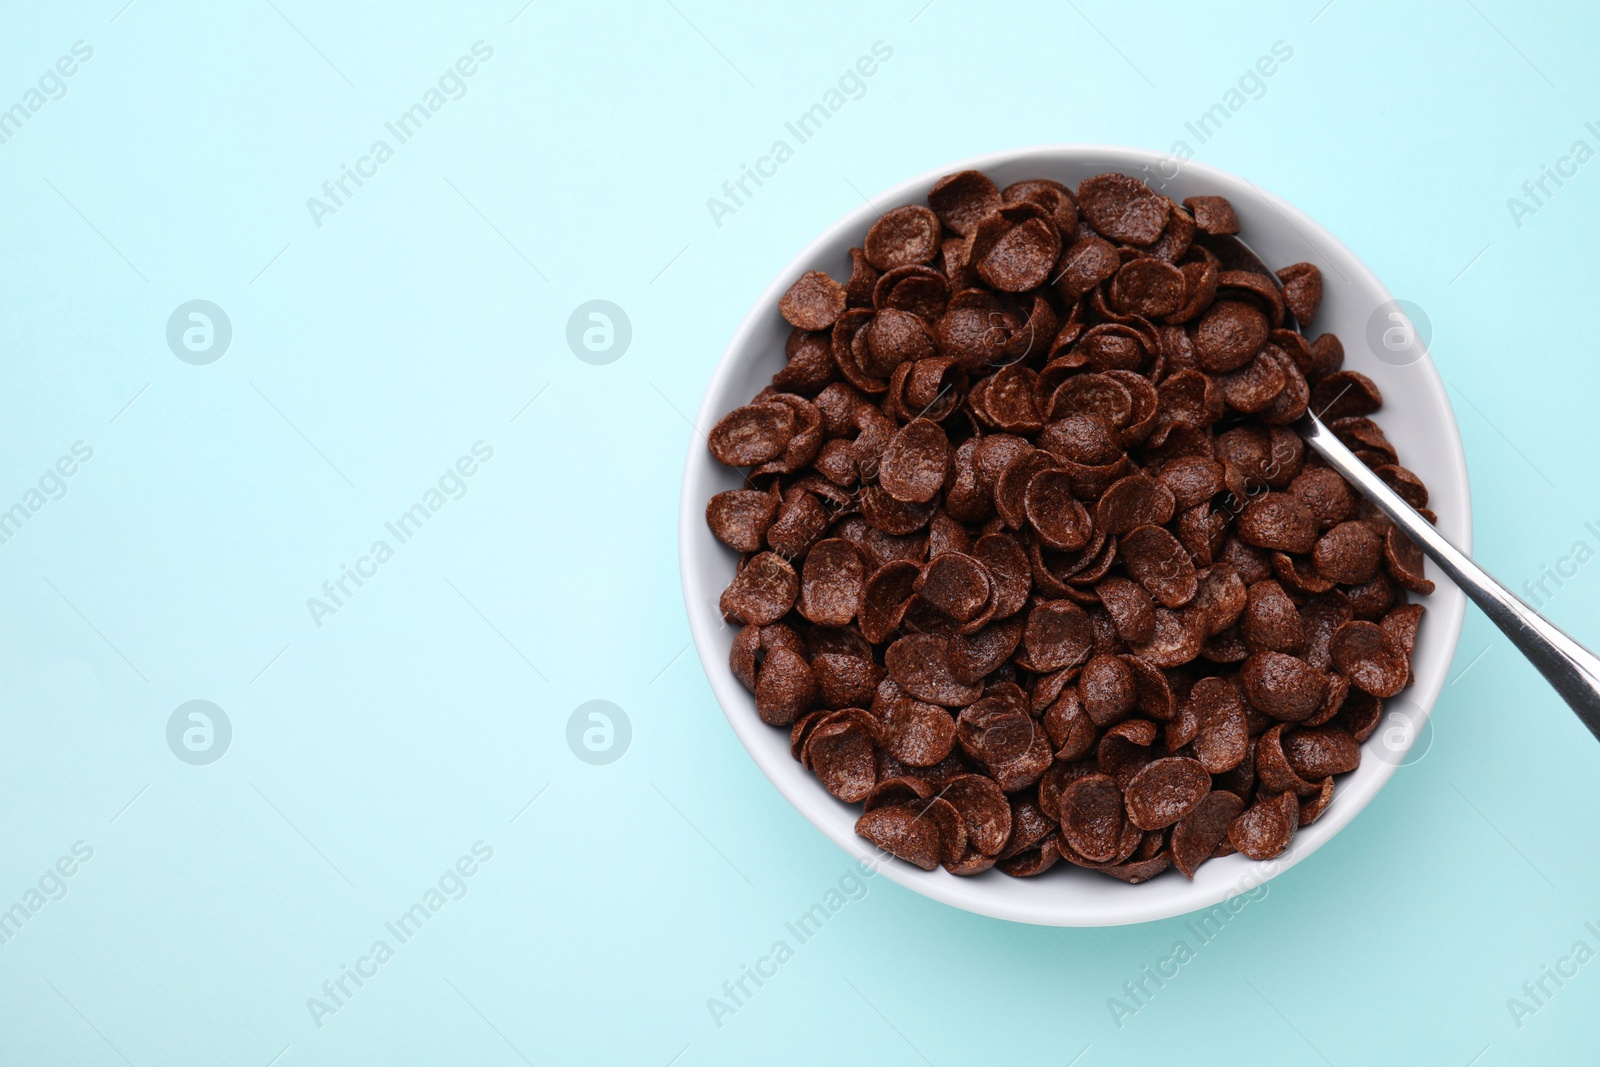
(368, 354)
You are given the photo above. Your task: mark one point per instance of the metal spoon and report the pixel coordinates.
(1573, 670)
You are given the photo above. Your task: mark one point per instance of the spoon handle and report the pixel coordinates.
(1573, 670)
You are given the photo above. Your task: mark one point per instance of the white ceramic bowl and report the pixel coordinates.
(1416, 416)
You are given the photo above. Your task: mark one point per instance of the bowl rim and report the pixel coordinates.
(1446, 606)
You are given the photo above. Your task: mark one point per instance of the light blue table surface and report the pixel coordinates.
(404, 741)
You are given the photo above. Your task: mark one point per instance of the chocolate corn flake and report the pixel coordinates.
(1283, 686)
(844, 680)
(1213, 214)
(752, 434)
(1273, 768)
(841, 755)
(800, 521)
(915, 463)
(831, 582)
(1020, 258)
(1302, 291)
(1158, 561)
(947, 823)
(902, 789)
(1329, 496)
(1092, 817)
(1370, 657)
(920, 664)
(1401, 624)
(903, 237)
(1312, 807)
(916, 733)
(763, 591)
(898, 831)
(1403, 559)
(810, 366)
(1256, 385)
(1222, 738)
(984, 809)
(1123, 209)
(1154, 696)
(1318, 753)
(1195, 836)
(1229, 335)
(1344, 394)
(1148, 287)
(1327, 355)
(739, 518)
(1060, 520)
(1026, 558)
(1084, 265)
(1033, 861)
(1127, 847)
(1348, 554)
(1178, 638)
(1278, 521)
(1131, 608)
(1264, 829)
(962, 200)
(974, 656)
(1057, 635)
(1271, 621)
(863, 280)
(1137, 500)
(1261, 289)
(1139, 870)
(1055, 198)
(1106, 690)
(957, 585)
(884, 599)
(1124, 749)
(1221, 596)
(814, 302)
(1165, 790)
